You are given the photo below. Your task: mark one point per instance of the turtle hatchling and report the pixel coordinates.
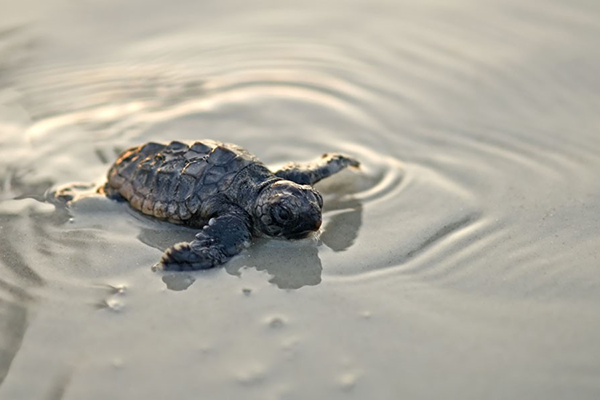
(222, 190)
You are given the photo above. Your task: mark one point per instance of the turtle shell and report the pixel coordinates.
(171, 181)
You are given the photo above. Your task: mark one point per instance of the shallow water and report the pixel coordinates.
(462, 260)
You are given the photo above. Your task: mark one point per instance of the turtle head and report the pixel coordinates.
(289, 210)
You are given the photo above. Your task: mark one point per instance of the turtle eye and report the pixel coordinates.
(281, 214)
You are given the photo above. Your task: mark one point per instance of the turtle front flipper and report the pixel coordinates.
(220, 240)
(311, 173)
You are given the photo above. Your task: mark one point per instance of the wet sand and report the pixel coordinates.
(460, 262)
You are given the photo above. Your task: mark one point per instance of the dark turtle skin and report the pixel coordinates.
(223, 190)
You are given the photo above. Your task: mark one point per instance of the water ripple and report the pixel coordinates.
(436, 159)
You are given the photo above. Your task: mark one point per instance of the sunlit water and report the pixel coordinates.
(462, 261)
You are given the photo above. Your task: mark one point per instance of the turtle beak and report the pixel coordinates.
(318, 225)
(305, 233)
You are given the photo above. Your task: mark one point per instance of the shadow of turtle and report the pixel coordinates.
(341, 232)
(290, 264)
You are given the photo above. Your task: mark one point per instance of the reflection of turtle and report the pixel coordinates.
(222, 189)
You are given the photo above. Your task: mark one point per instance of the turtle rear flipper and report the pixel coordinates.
(110, 192)
(64, 195)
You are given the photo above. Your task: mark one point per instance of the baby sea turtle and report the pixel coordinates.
(222, 189)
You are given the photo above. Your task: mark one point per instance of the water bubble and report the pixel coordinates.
(115, 305)
(118, 289)
(275, 322)
(118, 362)
(251, 375)
(111, 304)
(347, 380)
(113, 289)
